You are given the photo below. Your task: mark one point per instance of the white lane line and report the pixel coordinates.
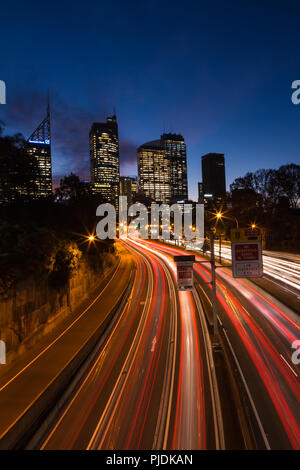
(249, 395)
(153, 344)
(214, 388)
(112, 405)
(63, 332)
(288, 365)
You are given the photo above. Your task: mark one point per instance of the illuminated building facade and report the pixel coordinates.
(213, 177)
(104, 159)
(154, 172)
(39, 146)
(129, 188)
(163, 170)
(176, 150)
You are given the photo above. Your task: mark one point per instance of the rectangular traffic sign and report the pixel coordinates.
(185, 276)
(245, 234)
(246, 259)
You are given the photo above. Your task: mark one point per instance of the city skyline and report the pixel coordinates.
(240, 106)
(150, 229)
(128, 160)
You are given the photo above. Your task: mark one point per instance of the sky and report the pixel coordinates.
(219, 73)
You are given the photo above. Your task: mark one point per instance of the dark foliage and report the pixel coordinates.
(17, 169)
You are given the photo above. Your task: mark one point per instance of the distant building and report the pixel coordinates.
(154, 172)
(39, 146)
(213, 178)
(162, 169)
(129, 188)
(104, 159)
(176, 150)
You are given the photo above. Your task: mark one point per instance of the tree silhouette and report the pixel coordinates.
(18, 170)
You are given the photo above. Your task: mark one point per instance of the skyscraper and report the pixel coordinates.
(162, 169)
(129, 188)
(176, 149)
(154, 172)
(39, 146)
(213, 177)
(104, 159)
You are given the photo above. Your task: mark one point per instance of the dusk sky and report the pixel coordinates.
(219, 73)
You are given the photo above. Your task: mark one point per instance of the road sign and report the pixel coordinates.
(245, 234)
(246, 259)
(185, 278)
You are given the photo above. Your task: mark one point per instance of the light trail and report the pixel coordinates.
(262, 328)
(142, 400)
(189, 429)
(192, 404)
(284, 271)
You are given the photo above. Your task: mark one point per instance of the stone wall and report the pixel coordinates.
(34, 309)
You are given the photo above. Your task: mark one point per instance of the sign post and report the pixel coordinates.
(246, 259)
(185, 279)
(246, 253)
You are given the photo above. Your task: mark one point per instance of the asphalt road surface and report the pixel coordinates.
(153, 385)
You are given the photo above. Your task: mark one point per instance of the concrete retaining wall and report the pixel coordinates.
(35, 308)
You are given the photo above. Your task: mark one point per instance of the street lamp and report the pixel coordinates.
(219, 215)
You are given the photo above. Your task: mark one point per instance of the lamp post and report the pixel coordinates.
(214, 289)
(219, 216)
(236, 221)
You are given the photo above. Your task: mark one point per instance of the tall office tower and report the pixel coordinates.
(39, 146)
(213, 177)
(129, 188)
(176, 150)
(154, 172)
(104, 159)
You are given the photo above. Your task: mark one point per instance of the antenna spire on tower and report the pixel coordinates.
(42, 133)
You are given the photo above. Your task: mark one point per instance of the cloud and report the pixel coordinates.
(128, 153)
(70, 125)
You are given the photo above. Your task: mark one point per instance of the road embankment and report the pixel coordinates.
(29, 395)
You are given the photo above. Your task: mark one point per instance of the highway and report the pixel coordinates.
(29, 386)
(152, 382)
(153, 386)
(281, 268)
(259, 331)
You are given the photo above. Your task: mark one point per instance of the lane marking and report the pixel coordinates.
(94, 366)
(288, 365)
(153, 344)
(214, 388)
(261, 428)
(62, 334)
(128, 364)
